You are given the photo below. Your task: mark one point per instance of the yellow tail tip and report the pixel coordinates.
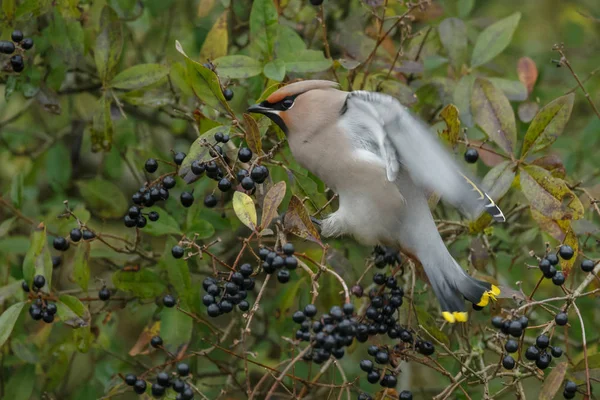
(455, 316)
(449, 317)
(490, 294)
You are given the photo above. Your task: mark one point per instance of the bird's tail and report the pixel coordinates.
(452, 285)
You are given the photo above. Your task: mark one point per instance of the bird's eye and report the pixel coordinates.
(287, 103)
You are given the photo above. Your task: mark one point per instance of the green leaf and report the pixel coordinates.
(178, 274)
(9, 7)
(494, 39)
(549, 122)
(450, 116)
(166, 224)
(307, 61)
(72, 311)
(109, 44)
(16, 190)
(20, 385)
(8, 320)
(33, 7)
(81, 268)
(264, 25)
(7, 225)
(513, 90)
(200, 227)
(38, 260)
(237, 67)
(494, 115)
(215, 43)
(453, 35)
(143, 283)
(103, 198)
(204, 82)
(499, 179)
(102, 126)
(549, 195)
(275, 70)
(139, 76)
(175, 328)
(58, 166)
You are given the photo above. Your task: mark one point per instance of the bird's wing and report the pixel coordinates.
(380, 124)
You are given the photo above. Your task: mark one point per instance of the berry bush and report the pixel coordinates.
(157, 241)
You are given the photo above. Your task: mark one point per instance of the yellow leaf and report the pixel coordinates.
(244, 209)
(215, 44)
(450, 115)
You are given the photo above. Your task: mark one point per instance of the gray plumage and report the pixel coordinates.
(381, 161)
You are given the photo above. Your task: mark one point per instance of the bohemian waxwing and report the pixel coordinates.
(382, 162)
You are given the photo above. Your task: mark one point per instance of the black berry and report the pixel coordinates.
(75, 234)
(259, 173)
(151, 165)
(511, 346)
(104, 294)
(561, 319)
(7, 47)
(169, 301)
(187, 199)
(559, 278)
(16, 62)
(566, 252)
(25, 286)
(224, 185)
(542, 341)
(16, 36)
(552, 258)
(245, 154)
(210, 201)
(88, 235)
(27, 43)
(39, 281)
(130, 379)
(56, 261)
(532, 353)
(405, 395)
(556, 351)
(156, 341)
(153, 216)
(316, 2)
(587, 265)
(141, 221)
(177, 251)
(508, 362)
(471, 155)
(366, 365)
(140, 386)
(543, 361)
(283, 276)
(178, 158)
(60, 243)
(248, 183)
(183, 369)
(157, 390)
(228, 94)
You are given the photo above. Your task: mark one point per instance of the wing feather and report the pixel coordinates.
(401, 139)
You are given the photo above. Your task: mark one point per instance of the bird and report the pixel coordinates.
(383, 162)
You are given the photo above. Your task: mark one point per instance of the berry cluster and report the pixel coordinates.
(385, 302)
(385, 256)
(232, 292)
(329, 334)
(62, 244)
(281, 262)
(40, 309)
(163, 383)
(19, 44)
(383, 375)
(570, 390)
(539, 352)
(514, 328)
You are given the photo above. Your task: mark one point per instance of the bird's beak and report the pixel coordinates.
(259, 109)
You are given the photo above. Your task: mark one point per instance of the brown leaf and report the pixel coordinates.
(527, 72)
(493, 113)
(253, 135)
(272, 200)
(553, 382)
(556, 229)
(551, 163)
(298, 221)
(479, 254)
(450, 115)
